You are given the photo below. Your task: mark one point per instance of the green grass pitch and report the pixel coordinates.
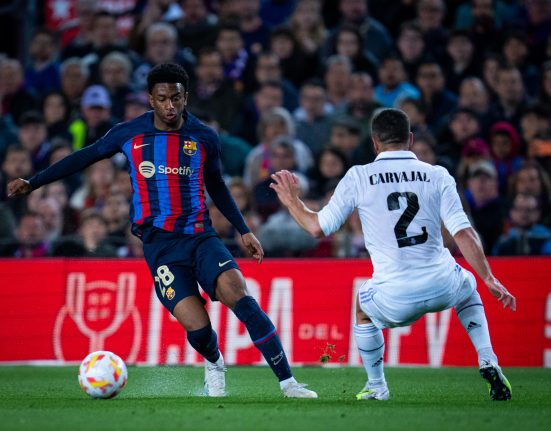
(169, 398)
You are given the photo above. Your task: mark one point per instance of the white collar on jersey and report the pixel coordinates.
(396, 155)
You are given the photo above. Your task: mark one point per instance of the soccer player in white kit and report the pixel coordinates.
(402, 203)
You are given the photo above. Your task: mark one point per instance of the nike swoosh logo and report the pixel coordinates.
(140, 146)
(221, 264)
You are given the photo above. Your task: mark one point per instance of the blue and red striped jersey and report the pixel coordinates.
(168, 172)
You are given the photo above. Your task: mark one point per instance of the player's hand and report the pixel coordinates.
(498, 290)
(287, 187)
(253, 246)
(19, 187)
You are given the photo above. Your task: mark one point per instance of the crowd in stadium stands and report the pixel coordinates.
(287, 85)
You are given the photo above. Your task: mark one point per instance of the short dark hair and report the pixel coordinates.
(167, 73)
(391, 126)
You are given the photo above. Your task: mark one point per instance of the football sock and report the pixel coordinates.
(472, 317)
(371, 344)
(264, 336)
(204, 340)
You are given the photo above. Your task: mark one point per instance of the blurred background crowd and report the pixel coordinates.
(288, 84)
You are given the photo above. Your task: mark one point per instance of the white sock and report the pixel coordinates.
(285, 382)
(371, 344)
(472, 317)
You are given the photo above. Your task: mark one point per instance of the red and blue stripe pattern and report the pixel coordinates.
(173, 197)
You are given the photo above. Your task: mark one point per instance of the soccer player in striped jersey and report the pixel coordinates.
(402, 203)
(172, 157)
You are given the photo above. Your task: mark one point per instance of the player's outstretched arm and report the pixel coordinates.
(19, 187)
(287, 188)
(469, 243)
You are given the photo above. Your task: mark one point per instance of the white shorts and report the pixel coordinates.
(386, 312)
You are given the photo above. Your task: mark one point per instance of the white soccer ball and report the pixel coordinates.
(102, 374)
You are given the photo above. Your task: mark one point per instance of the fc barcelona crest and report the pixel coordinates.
(190, 148)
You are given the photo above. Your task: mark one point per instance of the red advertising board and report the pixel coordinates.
(60, 310)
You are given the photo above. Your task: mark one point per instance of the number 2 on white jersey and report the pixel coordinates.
(400, 229)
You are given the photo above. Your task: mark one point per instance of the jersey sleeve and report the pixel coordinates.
(216, 187)
(340, 206)
(451, 210)
(105, 147)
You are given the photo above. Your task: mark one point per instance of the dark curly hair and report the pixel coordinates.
(167, 73)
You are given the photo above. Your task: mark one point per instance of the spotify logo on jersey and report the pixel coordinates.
(147, 169)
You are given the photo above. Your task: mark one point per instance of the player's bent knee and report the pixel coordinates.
(230, 287)
(361, 317)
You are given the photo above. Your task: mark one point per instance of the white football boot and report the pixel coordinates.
(297, 390)
(379, 393)
(215, 379)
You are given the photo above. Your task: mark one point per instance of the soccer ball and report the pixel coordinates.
(102, 374)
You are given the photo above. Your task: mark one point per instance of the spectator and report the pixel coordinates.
(230, 44)
(490, 65)
(96, 117)
(276, 12)
(297, 65)
(463, 125)
(461, 61)
(377, 39)
(537, 28)
(14, 98)
(17, 163)
(393, 85)
(99, 179)
(161, 46)
(59, 150)
(155, 11)
(281, 236)
(526, 236)
(313, 122)
(430, 16)
(511, 97)
(274, 123)
(505, 149)
(30, 238)
(281, 156)
(438, 100)
(474, 95)
(268, 96)
(411, 47)
(42, 72)
(52, 216)
(197, 27)
(331, 165)
(473, 151)
(337, 74)
(535, 122)
(115, 213)
(56, 110)
(515, 50)
(424, 147)
(533, 180)
(78, 32)
(345, 136)
(486, 208)
(545, 85)
(33, 135)
(348, 43)
(308, 27)
(74, 77)
(267, 67)
(415, 110)
(255, 32)
(91, 240)
(360, 106)
(135, 104)
(215, 94)
(59, 193)
(133, 247)
(115, 70)
(241, 194)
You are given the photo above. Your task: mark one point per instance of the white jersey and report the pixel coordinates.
(402, 203)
